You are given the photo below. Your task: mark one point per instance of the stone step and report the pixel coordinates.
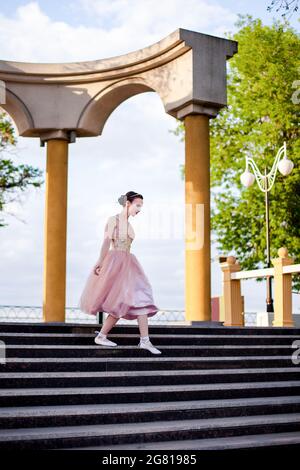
(76, 415)
(126, 433)
(56, 364)
(285, 440)
(17, 338)
(93, 350)
(138, 378)
(60, 390)
(153, 329)
(153, 393)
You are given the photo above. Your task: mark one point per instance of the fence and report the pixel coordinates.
(232, 310)
(34, 314)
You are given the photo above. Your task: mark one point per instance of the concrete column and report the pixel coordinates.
(283, 315)
(55, 231)
(197, 219)
(232, 301)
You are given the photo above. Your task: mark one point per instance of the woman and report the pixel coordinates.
(117, 283)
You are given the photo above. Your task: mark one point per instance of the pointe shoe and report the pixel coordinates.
(149, 346)
(103, 341)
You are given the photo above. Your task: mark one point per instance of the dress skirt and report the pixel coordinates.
(121, 288)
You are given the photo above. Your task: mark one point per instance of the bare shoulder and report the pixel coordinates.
(110, 227)
(112, 218)
(111, 222)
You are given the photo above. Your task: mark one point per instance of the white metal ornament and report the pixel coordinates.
(265, 182)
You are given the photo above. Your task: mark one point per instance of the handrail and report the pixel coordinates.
(263, 272)
(253, 273)
(293, 268)
(232, 301)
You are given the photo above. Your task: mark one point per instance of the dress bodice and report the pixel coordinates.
(121, 243)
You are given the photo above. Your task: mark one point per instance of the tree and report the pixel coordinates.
(262, 112)
(14, 179)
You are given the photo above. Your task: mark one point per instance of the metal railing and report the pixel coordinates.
(34, 314)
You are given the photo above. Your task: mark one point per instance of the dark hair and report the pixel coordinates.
(129, 196)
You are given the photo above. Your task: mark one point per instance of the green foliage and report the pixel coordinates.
(260, 116)
(13, 178)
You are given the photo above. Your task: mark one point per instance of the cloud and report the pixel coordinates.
(151, 20)
(119, 27)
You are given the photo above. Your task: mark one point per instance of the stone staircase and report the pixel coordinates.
(211, 388)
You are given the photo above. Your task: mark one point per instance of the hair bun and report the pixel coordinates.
(122, 199)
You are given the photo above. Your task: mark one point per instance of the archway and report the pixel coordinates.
(61, 102)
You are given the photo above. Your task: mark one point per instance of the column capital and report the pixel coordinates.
(194, 109)
(57, 134)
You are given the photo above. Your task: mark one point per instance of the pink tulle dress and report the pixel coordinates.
(121, 287)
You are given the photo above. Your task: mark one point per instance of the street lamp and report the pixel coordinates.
(265, 182)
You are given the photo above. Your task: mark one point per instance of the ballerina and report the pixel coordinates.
(117, 283)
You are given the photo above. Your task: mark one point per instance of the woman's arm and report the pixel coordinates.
(108, 235)
(104, 250)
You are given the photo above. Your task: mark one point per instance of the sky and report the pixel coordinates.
(136, 151)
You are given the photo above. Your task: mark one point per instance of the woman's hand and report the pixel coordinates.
(97, 268)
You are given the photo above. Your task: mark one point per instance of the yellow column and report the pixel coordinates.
(283, 314)
(55, 231)
(197, 219)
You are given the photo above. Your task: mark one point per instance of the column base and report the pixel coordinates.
(205, 324)
(283, 324)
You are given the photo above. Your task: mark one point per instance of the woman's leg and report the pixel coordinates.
(108, 324)
(145, 340)
(143, 325)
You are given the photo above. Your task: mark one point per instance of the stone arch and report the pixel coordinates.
(18, 111)
(100, 107)
(60, 102)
